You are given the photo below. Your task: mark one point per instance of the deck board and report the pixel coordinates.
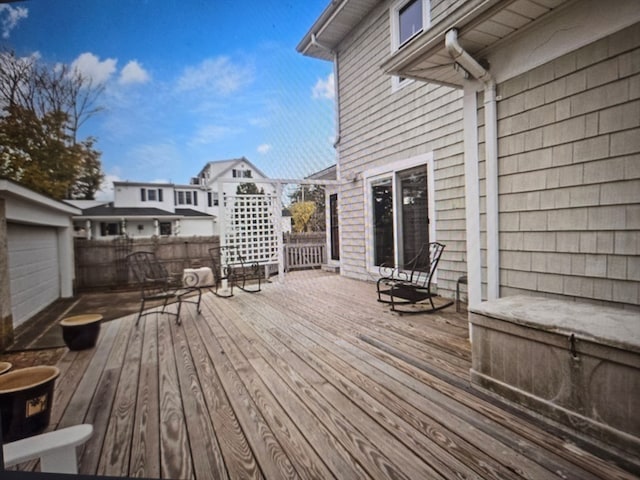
(311, 378)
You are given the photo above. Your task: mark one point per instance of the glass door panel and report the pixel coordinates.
(383, 238)
(414, 212)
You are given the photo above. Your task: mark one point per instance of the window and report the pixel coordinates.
(333, 219)
(186, 198)
(165, 228)
(400, 211)
(108, 229)
(408, 19)
(241, 173)
(151, 194)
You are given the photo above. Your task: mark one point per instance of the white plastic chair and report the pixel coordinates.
(56, 450)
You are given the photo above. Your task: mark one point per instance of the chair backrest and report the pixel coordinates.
(220, 257)
(423, 266)
(148, 272)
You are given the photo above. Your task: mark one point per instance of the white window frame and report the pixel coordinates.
(391, 170)
(394, 19)
(394, 13)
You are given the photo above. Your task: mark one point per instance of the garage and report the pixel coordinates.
(34, 269)
(36, 255)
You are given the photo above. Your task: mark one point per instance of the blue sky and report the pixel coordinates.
(190, 81)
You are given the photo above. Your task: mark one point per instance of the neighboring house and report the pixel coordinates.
(36, 255)
(144, 209)
(509, 131)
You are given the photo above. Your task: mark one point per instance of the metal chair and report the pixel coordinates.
(157, 285)
(410, 284)
(230, 265)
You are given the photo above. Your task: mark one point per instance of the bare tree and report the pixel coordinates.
(43, 108)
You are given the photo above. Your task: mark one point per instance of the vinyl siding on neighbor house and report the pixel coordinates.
(569, 185)
(379, 126)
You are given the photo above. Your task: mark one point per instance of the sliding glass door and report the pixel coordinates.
(399, 209)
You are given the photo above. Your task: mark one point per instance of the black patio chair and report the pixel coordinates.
(157, 285)
(410, 284)
(230, 265)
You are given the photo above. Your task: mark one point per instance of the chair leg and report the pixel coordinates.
(140, 312)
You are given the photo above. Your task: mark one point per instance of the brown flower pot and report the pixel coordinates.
(81, 331)
(26, 397)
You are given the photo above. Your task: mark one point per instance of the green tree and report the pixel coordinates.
(249, 189)
(302, 213)
(42, 109)
(314, 194)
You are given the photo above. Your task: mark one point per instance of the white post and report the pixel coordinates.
(278, 225)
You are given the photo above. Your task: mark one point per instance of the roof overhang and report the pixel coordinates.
(483, 26)
(14, 190)
(333, 25)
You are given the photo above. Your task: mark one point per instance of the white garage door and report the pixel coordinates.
(34, 269)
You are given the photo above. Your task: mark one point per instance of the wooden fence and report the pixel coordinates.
(304, 255)
(102, 264)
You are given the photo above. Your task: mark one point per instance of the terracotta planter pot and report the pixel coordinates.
(81, 331)
(26, 397)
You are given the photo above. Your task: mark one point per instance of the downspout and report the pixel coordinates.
(476, 70)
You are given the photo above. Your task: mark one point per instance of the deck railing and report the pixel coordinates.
(304, 255)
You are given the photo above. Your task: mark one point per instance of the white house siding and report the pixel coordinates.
(569, 184)
(379, 126)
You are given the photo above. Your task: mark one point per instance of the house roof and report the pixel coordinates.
(219, 167)
(109, 210)
(335, 23)
(328, 173)
(481, 24)
(9, 188)
(188, 212)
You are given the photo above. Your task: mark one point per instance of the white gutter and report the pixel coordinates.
(476, 70)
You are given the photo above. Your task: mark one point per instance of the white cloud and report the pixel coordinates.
(10, 16)
(212, 133)
(89, 65)
(219, 75)
(324, 88)
(264, 148)
(133, 73)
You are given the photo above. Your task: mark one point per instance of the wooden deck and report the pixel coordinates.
(311, 378)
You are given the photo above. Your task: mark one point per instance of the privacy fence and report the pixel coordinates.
(101, 264)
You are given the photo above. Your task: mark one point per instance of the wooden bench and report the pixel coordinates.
(410, 284)
(577, 364)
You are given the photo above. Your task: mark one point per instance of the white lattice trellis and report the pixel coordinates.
(251, 225)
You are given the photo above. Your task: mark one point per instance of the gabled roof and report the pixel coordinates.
(220, 167)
